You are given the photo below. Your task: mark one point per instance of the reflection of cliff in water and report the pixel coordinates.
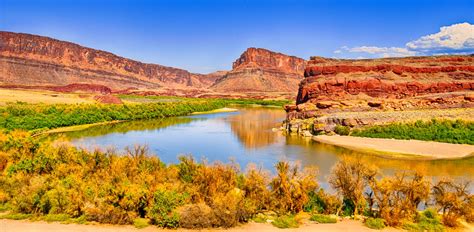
(123, 127)
(253, 127)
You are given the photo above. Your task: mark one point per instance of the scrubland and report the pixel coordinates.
(54, 181)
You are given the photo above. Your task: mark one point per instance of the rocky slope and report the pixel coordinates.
(332, 88)
(36, 60)
(261, 70)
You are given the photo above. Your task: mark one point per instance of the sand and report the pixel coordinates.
(28, 226)
(41, 96)
(401, 148)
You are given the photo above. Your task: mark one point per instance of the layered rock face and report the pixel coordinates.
(36, 60)
(385, 78)
(261, 70)
(356, 93)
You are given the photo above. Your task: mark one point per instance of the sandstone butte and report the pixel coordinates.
(32, 60)
(261, 70)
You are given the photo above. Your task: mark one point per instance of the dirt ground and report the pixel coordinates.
(28, 226)
(423, 149)
(38, 96)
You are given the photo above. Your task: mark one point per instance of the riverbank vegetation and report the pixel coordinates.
(57, 182)
(440, 130)
(227, 101)
(41, 117)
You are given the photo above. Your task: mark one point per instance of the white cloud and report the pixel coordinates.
(454, 39)
(384, 51)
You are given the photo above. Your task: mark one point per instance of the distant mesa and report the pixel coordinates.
(261, 70)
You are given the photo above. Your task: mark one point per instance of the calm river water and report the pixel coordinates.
(245, 137)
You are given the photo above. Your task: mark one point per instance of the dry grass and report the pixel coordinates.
(39, 96)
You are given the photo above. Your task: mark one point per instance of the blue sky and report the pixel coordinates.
(204, 36)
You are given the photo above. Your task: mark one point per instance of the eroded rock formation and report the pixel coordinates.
(347, 89)
(261, 70)
(385, 78)
(36, 60)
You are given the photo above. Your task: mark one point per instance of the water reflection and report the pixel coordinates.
(246, 137)
(253, 126)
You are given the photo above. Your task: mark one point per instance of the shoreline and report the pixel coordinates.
(395, 148)
(86, 126)
(220, 110)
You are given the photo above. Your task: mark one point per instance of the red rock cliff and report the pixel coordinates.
(331, 79)
(36, 60)
(261, 70)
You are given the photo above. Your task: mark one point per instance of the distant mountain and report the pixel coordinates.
(261, 70)
(37, 60)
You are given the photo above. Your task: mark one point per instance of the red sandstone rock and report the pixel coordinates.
(36, 60)
(289, 108)
(108, 99)
(77, 87)
(261, 70)
(385, 78)
(469, 97)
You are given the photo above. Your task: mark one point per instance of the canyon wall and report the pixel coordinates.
(385, 78)
(36, 60)
(261, 70)
(357, 93)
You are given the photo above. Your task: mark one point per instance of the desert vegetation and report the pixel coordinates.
(441, 130)
(54, 181)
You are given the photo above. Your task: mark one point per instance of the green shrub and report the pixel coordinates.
(162, 210)
(448, 131)
(375, 223)
(323, 218)
(286, 221)
(55, 217)
(260, 218)
(78, 220)
(16, 216)
(428, 220)
(140, 223)
(4, 207)
(342, 130)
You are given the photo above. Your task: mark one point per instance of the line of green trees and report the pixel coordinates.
(56, 181)
(46, 116)
(49, 116)
(441, 130)
(262, 102)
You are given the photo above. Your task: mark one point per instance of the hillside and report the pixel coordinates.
(37, 60)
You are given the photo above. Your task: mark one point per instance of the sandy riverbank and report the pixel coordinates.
(28, 226)
(400, 148)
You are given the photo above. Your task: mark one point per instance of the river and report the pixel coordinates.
(245, 137)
